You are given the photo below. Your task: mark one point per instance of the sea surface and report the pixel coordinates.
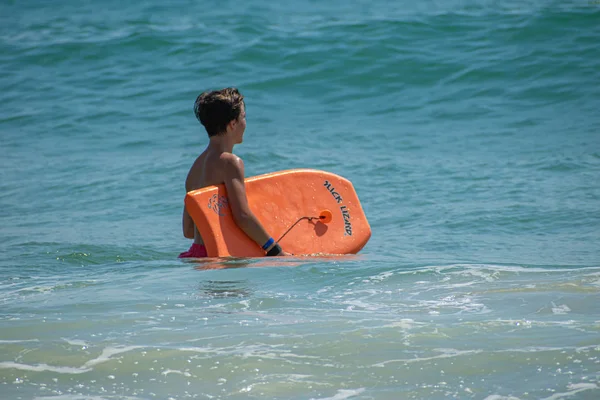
(470, 130)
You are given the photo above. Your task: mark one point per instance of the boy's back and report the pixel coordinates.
(209, 169)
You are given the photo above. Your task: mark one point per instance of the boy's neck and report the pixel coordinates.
(221, 144)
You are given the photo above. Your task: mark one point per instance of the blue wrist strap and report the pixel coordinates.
(269, 243)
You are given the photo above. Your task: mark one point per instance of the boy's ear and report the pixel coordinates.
(231, 124)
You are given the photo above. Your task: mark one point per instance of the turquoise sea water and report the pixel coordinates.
(470, 130)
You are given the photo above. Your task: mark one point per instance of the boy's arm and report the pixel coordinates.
(188, 225)
(236, 193)
(187, 222)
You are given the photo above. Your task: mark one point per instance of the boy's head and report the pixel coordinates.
(216, 109)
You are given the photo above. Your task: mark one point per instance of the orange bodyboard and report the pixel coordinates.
(280, 199)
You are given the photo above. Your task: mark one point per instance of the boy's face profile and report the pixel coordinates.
(238, 126)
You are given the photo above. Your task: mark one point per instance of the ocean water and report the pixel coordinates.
(470, 130)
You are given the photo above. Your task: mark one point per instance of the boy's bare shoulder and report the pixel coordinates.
(231, 160)
(233, 166)
(229, 157)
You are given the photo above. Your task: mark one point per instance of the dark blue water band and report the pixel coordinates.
(269, 243)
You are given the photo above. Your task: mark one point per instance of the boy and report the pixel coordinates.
(223, 114)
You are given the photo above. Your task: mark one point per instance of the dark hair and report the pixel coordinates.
(215, 109)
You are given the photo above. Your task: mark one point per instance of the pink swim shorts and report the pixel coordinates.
(196, 251)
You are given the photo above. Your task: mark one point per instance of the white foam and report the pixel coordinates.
(404, 323)
(447, 353)
(325, 289)
(382, 276)
(293, 377)
(511, 268)
(86, 397)
(457, 285)
(526, 323)
(573, 389)
(18, 341)
(477, 272)
(352, 304)
(44, 367)
(197, 349)
(76, 342)
(463, 303)
(344, 394)
(208, 338)
(536, 349)
(107, 353)
(562, 309)
(174, 371)
(292, 355)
